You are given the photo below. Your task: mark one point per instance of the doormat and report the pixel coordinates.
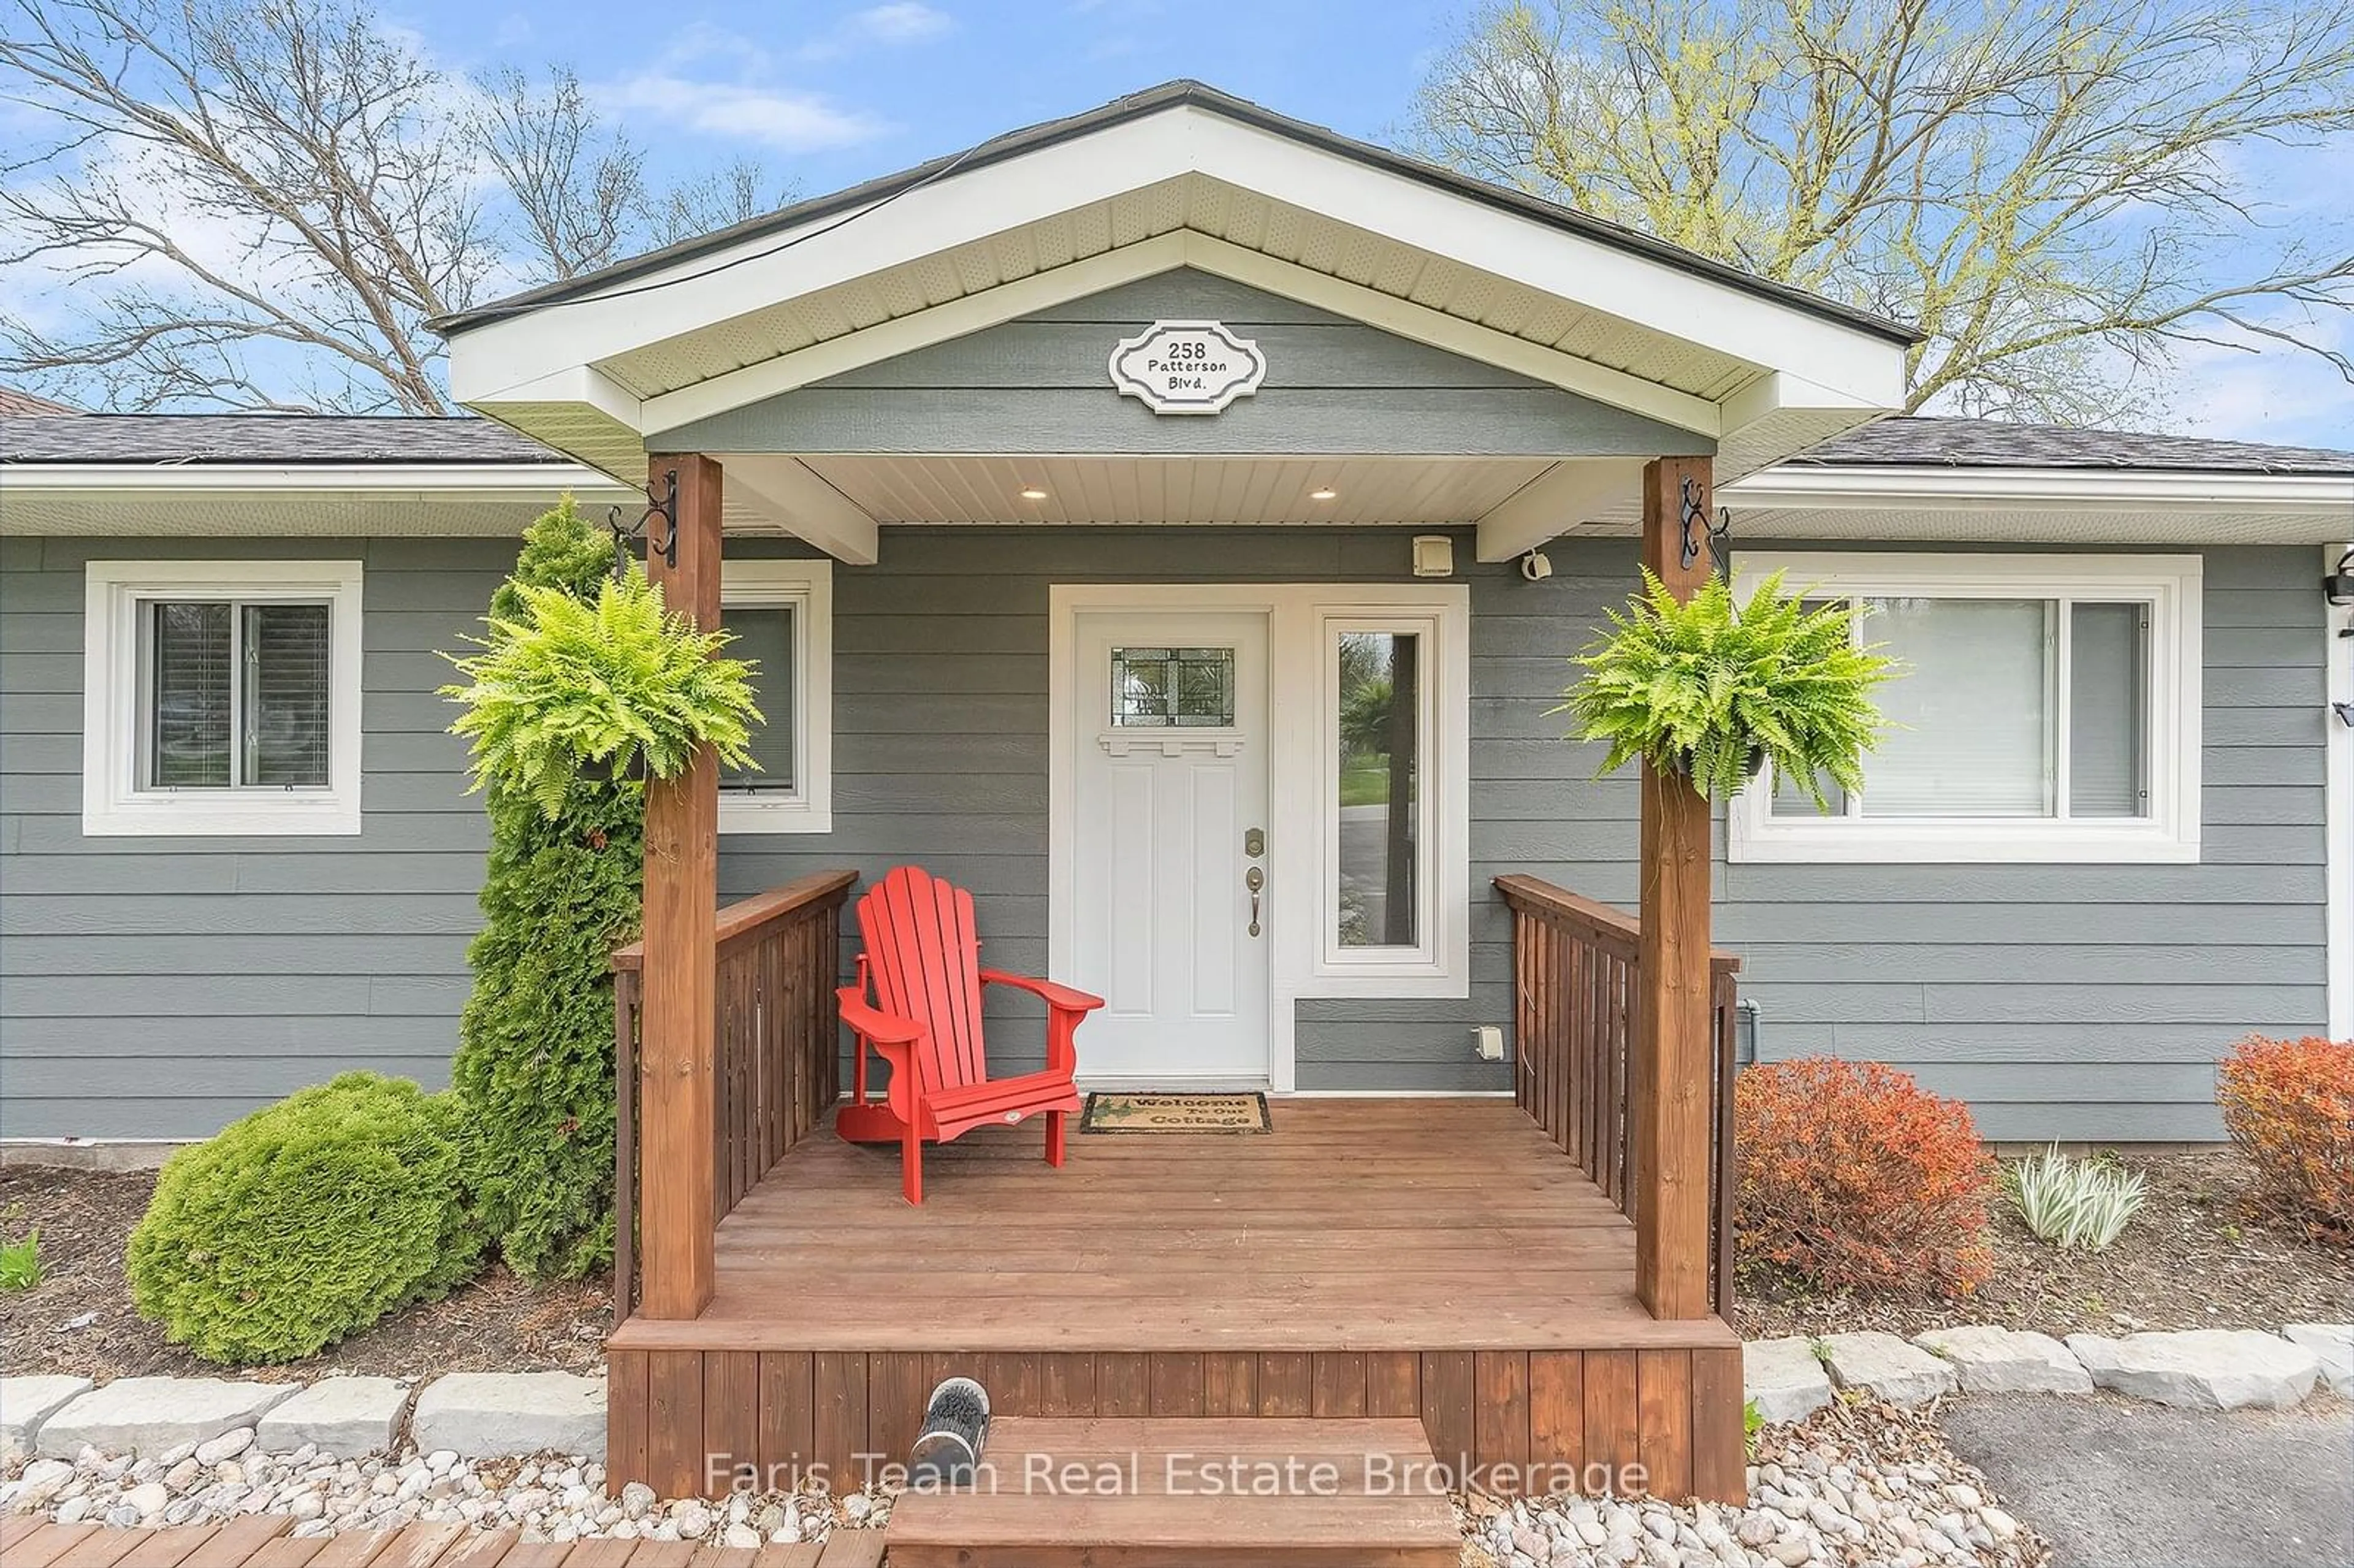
(1176, 1113)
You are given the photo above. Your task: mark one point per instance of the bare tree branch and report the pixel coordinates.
(257, 205)
(2055, 190)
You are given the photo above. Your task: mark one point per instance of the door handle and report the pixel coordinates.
(1254, 879)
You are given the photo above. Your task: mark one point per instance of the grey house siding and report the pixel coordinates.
(1041, 385)
(2086, 1001)
(161, 987)
(158, 988)
(940, 755)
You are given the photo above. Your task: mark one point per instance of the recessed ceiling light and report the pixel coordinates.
(1326, 494)
(1033, 493)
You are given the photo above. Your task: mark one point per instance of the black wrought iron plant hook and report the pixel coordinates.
(1699, 532)
(665, 506)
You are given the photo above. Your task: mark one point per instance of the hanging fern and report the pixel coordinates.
(567, 686)
(1710, 692)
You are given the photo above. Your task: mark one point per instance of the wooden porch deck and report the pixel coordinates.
(1437, 1258)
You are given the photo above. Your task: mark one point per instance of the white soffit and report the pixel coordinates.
(1810, 501)
(234, 499)
(1430, 491)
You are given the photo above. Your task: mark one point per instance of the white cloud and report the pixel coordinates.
(2251, 388)
(891, 25)
(906, 23)
(783, 118)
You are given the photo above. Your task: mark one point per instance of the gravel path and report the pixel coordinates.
(1859, 1483)
(549, 1499)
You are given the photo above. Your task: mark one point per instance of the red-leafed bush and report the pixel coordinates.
(2289, 1104)
(1852, 1176)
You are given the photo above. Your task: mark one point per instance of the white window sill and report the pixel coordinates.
(748, 812)
(1394, 978)
(1978, 841)
(262, 814)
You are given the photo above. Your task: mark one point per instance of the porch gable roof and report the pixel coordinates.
(1177, 176)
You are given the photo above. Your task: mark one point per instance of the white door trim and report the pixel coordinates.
(2338, 811)
(1294, 860)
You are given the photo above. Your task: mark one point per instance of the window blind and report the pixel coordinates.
(1973, 709)
(188, 695)
(287, 658)
(2108, 698)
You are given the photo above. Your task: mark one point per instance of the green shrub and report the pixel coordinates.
(20, 1263)
(535, 1066)
(307, 1221)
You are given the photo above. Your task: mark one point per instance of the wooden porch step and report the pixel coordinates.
(1187, 1492)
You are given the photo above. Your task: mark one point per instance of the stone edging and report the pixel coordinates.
(489, 1414)
(2194, 1368)
(474, 1414)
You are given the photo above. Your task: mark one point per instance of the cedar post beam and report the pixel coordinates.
(677, 1205)
(1674, 1040)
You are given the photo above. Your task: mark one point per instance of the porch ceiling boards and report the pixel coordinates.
(1177, 490)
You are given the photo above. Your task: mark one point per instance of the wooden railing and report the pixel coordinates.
(777, 1068)
(1576, 982)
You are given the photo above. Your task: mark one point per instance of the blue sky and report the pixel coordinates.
(833, 93)
(828, 94)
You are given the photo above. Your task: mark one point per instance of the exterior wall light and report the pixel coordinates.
(2338, 586)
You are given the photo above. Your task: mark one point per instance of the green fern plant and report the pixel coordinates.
(1715, 690)
(566, 685)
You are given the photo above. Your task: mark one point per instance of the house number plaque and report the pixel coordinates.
(1187, 367)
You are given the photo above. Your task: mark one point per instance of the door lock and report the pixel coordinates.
(1254, 879)
(1254, 842)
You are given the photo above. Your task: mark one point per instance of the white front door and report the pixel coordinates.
(1169, 730)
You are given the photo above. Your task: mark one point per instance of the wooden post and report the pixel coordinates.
(1674, 1060)
(679, 1028)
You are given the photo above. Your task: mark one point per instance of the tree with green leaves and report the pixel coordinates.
(2060, 193)
(534, 1065)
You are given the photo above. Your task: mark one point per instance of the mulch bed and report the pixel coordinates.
(2202, 1254)
(79, 1319)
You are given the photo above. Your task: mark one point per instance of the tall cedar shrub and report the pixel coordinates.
(2289, 1106)
(534, 1065)
(305, 1222)
(1852, 1176)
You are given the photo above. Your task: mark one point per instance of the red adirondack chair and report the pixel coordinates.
(923, 959)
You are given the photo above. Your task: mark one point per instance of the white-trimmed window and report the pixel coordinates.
(221, 697)
(2048, 709)
(782, 612)
(1391, 794)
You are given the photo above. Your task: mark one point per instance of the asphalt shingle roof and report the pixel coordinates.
(264, 439)
(1930, 442)
(294, 440)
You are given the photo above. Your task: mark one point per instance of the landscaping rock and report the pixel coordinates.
(2201, 1369)
(1887, 1366)
(151, 1415)
(341, 1415)
(1991, 1360)
(479, 1414)
(27, 1402)
(1783, 1379)
(2333, 1344)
